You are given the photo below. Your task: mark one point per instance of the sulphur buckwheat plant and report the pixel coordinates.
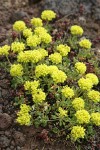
(61, 91)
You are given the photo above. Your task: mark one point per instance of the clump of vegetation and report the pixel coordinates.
(60, 92)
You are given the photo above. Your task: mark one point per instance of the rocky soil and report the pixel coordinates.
(81, 12)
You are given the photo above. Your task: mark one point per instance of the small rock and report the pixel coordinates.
(1, 109)
(4, 141)
(2, 74)
(97, 13)
(1, 101)
(1, 132)
(18, 148)
(2, 37)
(5, 121)
(4, 83)
(7, 133)
(13, 143)
(19, 15)
(30, 131)
(8, 148)
(12, 147)
(82, 19)
(98, 53)
(5, 93)
(0, 94)
(19, 138)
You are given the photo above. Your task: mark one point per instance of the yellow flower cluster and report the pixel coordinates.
(33, 41)
(24, 118)
(16, 70)
(56, 58)
(48, 15)
(27, 32)
(58, 76)
(36, 22)
(32, 56)
(80, 67)
(67, 92)
(52, 68)
(41, 70)
(46, 38)
(85, 84)
(19, 26)
(77, 132)
(63, 49)
(40, 30)
(82, 116)
(43, 35)
(4, 50)
(94, 96)
(78, 103)
(17, 46)
(43, 52)
(76, 30)
(36, 56)
(25, 56)
(38, 96)
(85, 43)
(31, 85)
(95, 118)
(62, 112)
(93, 78)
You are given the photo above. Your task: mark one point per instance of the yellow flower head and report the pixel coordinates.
(67, 92)
(40, 30)
(58, 76)
(63, 49)
(36, 56)
(38, 96)
(16, 70)
(82, 116)
(56, 58)
(4, 50)
(48, 15)
(85, 84)
(24, 118)
(27, 32)
(25, 56)
(31, 85)
(62, 112)
(29, 56)
(19, 26)
(43, 52)
(80, 67)
(94, 96)
(85, 43)
(41, 70)
(77, 132)
(17, 46)
(78, 103)
(52, 68)
(36, 22)
(27, 85)
(95, 118)
(33, 41)
(93, 78)
(45, 38)
(76, 30)
(25, 108)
